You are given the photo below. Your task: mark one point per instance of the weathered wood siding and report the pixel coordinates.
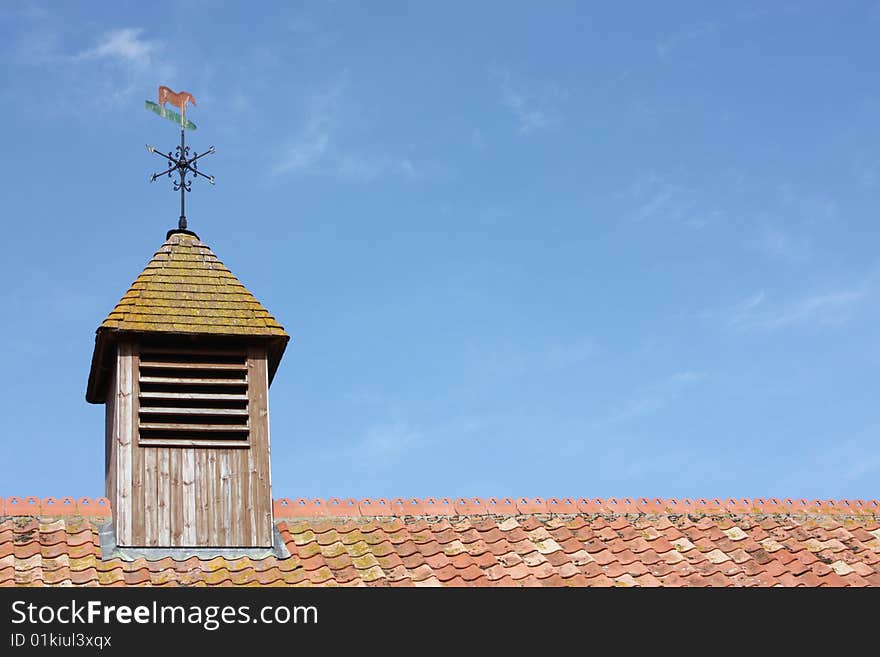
(188, 496)
(110, 443)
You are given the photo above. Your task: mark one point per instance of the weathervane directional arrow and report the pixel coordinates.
(180, 161)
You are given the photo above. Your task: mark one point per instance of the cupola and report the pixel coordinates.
(183, 364)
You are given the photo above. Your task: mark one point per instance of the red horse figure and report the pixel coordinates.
(177, 99)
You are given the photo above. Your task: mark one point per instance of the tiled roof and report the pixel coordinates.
(591, 543)
(186, 289)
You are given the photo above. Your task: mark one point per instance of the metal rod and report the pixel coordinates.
(199, 157)
(160, 153)
(182, 223)
(159, 175)
(199, 173)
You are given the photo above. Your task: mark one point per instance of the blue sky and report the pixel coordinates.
(525, 249)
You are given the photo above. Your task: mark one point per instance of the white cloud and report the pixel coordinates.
(657, 396)
(477, 139)
(868, 173)
(667, 45)
(779, 244)
(124, 45)
(317, 149)
(389, 439)
(119, 64)
(822, 309)
(861, 466)
(646, 400)
(571, 353)
(532, 113)
(657, 199)
(708, 29)
(661, 201)
(380, 447)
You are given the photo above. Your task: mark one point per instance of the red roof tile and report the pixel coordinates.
(475, 542)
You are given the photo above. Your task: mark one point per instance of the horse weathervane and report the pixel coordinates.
(180, 161)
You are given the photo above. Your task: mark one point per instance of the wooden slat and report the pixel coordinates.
(225, 528)
(156, 365)
(255, 489)
(202, 500)
(128, 486)
(213, 476)
(171, 410)
(169, 426)
(243, 508)
(231, 443)
(163, 497)
(193, 395)
(151, 497)
(137, 466)
(193, 381)
(175, 501)
(188, 476)
(111, 446)
(189, 351)
(261, 487)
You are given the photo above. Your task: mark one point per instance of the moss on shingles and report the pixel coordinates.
(186, 289)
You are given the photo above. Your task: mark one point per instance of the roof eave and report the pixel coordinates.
(106, 338)
(96, 388)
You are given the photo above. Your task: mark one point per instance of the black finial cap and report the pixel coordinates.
(179, 231)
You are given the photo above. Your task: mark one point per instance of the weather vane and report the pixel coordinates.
(180, 161)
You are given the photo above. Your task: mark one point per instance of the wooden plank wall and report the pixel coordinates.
(121, 436)
(110, 446)
(258, 485)
(183, 496)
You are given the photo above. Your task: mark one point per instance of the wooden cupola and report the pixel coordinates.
(184, 363)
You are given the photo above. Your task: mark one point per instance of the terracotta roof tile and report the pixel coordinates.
(723, 548)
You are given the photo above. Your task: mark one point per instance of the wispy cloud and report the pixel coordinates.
(478, 140)
(506, 359)
(124, 45)
(645, 400)
(778, 243)
(866, 169)
(383, 445)
(657, 199)
(831, 308)
(309, 148)
(656, 396)
(101, 76)
(673, 41)
(318, 149)
(804, 207)
(532, 112)
(572, 352)
(708, 29)
(861, 466)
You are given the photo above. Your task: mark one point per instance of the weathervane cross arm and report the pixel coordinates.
(159, 175)
(153, 149)
(210, 151)
(199, 173)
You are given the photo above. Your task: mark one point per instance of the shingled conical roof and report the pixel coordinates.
(185, 289)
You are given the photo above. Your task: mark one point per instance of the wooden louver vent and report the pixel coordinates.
(190, 398)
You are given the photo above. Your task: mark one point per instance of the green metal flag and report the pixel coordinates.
(170, 114)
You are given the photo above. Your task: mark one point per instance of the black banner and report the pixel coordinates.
(108, 621)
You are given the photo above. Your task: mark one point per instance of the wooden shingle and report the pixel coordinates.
(186, 289)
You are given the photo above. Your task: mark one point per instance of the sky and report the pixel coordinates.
(522, 248)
